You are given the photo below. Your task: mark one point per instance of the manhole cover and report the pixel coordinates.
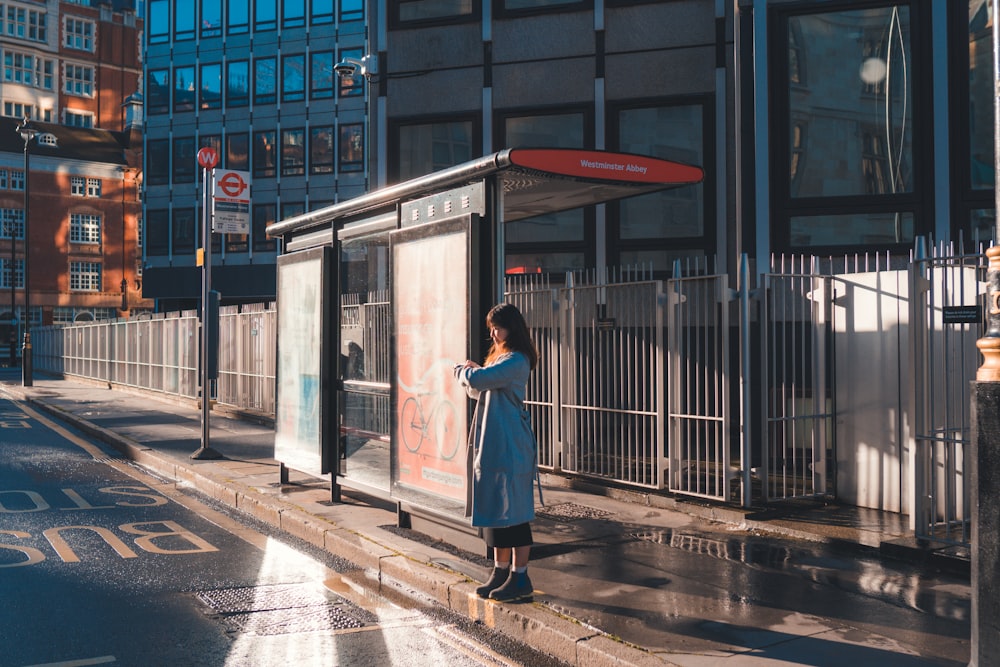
(571, 512)
(278, 610)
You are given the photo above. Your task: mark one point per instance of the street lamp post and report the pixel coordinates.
(984, 476)
(27, 132)
(11, 228)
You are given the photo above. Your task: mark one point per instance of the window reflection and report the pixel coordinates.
(237, 83)
(184, 90)
(981, 94)
(352, 147)
(264, 84)
(211, 86)
(211, 18)
(859, 116)
(264, 153)
(430, 147)
(672, 133)
(238, 16)
(550, 131)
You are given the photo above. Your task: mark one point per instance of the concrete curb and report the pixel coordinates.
(390, 569)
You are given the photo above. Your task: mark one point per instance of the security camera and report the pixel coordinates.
(345, 69)
(348, 67)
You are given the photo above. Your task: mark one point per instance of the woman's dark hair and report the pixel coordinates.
(507, 316)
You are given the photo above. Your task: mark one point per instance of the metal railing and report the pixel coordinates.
(161, 354)
(653, 384)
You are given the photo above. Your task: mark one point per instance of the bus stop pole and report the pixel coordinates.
(205, 451)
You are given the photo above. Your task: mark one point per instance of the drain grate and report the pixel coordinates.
(571, 512)
(283, 609)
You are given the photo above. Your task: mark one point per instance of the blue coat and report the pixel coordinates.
(504, 467)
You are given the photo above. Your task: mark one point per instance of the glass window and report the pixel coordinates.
(184, 19)
(410, 11)
(93, 187)
(79, 80)
(351, 10)
(237, 83)
(551, 131)
(264, 153)
(293, 152)
(852, 229)
(293, 13)
(158, 91)
(78, 34)
(981, 164)
(79, 119)
(85, 276)
(18, 273)
(352, 147)
(292, 209)
(265, 83)
(77, 186)
(183, 231)
(673, 133)
(844, 87)
(184, 89)
(211, 18)
(11, 222)
(265, 14)
(158, 25)
(321, 150)
(293, 78)
(157, 232)
(532, 6)
(860, 120)
(238, 151)
(322, 12)
(237, 16)
(210, 141)
(185, 162)
(237, 242)
(211, 86)
(321, 75)
(263, 215)
(84, 228)
(429, 147)
(157, 171)
(351, 86)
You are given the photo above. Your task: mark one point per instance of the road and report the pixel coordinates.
(101, 563)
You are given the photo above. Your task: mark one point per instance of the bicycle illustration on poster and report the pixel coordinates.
(431, 337)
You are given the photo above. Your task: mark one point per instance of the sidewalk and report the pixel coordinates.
(621, 577)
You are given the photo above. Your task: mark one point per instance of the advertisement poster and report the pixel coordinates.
(298, 437)
(431, 302)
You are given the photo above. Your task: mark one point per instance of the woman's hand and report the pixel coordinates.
(468, 363)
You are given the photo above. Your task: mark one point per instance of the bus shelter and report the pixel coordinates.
(378, 297)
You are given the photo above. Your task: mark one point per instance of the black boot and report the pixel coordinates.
(517, 588)
(497, 577)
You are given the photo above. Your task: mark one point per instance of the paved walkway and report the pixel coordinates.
(622, 578)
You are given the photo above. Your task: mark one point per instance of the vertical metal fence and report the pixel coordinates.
(796, 380)
(161, 354)
(699, 408)
(641, 382)
(945, 359)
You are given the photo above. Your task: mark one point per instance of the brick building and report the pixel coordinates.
(74, 70)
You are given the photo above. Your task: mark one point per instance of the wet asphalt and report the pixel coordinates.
(621, 577)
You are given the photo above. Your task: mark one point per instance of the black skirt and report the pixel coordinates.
(511, 536)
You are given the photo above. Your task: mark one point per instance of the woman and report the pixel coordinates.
(505, 465)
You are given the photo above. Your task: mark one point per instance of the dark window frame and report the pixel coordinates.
(396, 21)
(587, 246)
(396, 125)
(706, 243)
(784, 208)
